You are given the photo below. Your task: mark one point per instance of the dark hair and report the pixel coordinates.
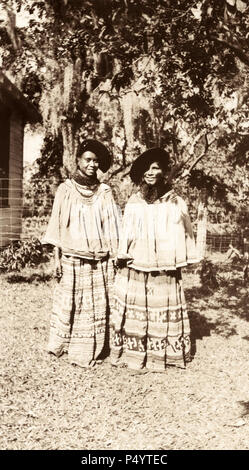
(99, 149)
(143, 162)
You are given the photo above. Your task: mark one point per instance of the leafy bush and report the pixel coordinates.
(23, 253)
(208, 275)
(38, 196)
(34, 227)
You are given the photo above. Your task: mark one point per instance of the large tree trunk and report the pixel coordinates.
(69, 153)
(73, 85)
(201, 238)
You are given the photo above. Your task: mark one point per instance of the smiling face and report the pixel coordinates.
(88, 163)
(154, 174)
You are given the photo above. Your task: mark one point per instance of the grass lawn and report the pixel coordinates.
(46, 403)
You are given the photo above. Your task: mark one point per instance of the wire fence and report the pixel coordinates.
(221, 242)
(24, 209)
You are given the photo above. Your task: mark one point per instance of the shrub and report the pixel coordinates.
(208, 275)
(38, 196)
(23, 253)
(34, 227)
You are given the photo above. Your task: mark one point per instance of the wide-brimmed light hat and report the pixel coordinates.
(143, 162)
(100, 150)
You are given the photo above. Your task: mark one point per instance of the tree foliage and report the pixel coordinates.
(134, 73)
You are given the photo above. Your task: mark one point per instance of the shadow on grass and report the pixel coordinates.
(29, 278)
(221, 325)
(199, 327)
(245, 337)
(245, 406)
(237, 289)
(234, 295)
(226, 303)
(199, 292)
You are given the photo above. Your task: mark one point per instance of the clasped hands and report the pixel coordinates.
(121, 260)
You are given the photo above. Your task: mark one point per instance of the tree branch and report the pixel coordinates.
(236, 49)
(195, 141)
(177, 173)
(124, 163)
(198, 159)
(118, 170)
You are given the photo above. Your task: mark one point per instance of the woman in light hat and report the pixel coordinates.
(149, 317)
(84, 230)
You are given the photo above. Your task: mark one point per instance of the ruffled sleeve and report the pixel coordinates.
(53, 232)
(127, 229)
(111, 221)
(190, 245)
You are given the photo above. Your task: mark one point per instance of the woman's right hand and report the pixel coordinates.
(57, 269)
(121, 260)
(57, 265)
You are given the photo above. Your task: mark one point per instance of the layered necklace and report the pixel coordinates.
(89, 182)
(151, 193)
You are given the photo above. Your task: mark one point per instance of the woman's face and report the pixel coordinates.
(88, 163)
(153, 175)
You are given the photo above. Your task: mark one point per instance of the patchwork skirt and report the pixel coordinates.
(80, 315)
(150, 325)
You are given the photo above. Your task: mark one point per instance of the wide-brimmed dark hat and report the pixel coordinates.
(100, 150)
(143, 162)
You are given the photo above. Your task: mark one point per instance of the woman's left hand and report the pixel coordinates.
(121, 261)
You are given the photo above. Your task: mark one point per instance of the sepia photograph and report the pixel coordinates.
(124, 228)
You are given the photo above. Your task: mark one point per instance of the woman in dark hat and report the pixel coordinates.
(149, 316)
(84, 230)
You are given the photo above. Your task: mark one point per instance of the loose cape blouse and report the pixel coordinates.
(157, 236)
(84, 222)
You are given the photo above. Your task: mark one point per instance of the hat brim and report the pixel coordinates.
(143, 162)
(100, 150)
